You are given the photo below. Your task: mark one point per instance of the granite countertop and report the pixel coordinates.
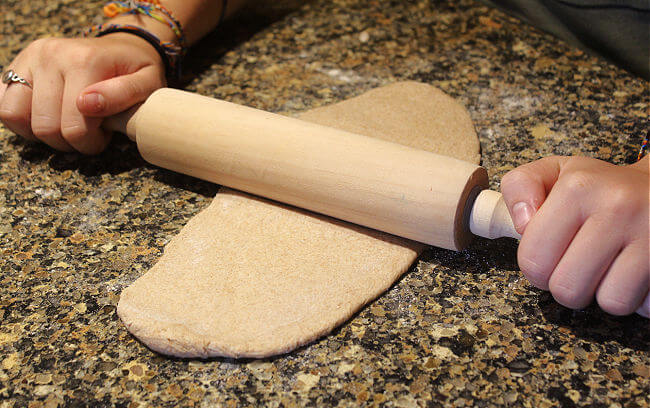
(459, 329)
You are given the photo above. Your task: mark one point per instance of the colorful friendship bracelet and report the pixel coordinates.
(147, 8)
(170, 53)
(644, 146)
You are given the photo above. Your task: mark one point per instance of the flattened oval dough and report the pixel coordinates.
(248, 277)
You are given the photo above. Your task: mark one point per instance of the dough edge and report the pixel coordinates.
(179, 340)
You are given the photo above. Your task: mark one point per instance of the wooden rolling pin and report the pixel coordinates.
(393, 188)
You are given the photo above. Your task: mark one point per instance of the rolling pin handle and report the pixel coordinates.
(490, 218)
(124, 122)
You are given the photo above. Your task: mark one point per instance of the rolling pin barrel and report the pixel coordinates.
(386, 186)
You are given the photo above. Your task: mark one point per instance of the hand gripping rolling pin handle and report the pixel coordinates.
(389, 187)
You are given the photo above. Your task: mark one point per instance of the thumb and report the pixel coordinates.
(115, 95)
(526, 187)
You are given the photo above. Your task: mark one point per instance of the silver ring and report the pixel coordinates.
(11, 76)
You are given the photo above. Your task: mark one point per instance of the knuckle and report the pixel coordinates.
(621, 196)
(513, 181)
(75, 53)
(45, 133)
(12, 116)
(39, 44)
(86, 56)
(45, 127)
(73, 133)
(512, 177)
(49, 46)
(568, 295)
(84, 138)
(614, 305)
(578, 182)
(537, 274)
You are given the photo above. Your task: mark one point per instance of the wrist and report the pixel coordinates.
(135, 41)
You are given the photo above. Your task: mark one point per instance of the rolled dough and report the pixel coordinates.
(248, 277)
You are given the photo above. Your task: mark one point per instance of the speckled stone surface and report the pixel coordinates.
(459, 329)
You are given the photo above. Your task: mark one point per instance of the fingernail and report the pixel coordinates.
(521, 214)
(94, 102)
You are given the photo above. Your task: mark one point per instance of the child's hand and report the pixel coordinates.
(76, 82)
(584, 226)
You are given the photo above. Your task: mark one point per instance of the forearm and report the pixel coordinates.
(197, 18)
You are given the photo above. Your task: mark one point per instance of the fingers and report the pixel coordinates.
(548, 235)
(81, 132)
(525, 188)
(46, 100)
(624, 287)
(589, 237)
(577, 275)
(644, 309)
(3, 87)
(101, 99)
(64, 110)
(16, 107)
(48, 111)
(118, 94)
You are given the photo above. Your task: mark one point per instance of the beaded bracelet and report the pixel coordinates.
(170, 53)
(147, 8)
